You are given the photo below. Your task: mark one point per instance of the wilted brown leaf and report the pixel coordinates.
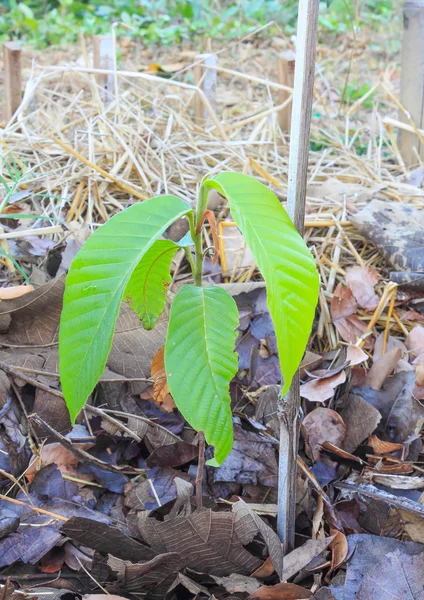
(56, 454)
(382, 367)
(382, 447)
(105, 538)
(161, 393)
(361, 281)
(361, 419)
(299, 558)
(281, 591)
(9, 293)
(319, 426)
(153, 577)
(339, 549)
(322, 389)
(415, 341)
(248, 524)
(206, 540)
(395, 575)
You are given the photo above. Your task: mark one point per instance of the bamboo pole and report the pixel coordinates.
(103, 58)
(205, 78)
(285, 64)
(289, 407)
(412, 80)
(12, 78)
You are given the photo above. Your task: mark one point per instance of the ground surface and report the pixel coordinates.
(119, 487)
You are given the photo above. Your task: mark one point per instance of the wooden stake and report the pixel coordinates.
(412, 79)
(205, 79)
(103, 58)
(285, 64)
(12, 78)
(289, 407)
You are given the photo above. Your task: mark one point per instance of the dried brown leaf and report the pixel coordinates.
(248, 524)
(382, 447)
(281, 591)
(161, 392)
(9, 293)
(361, 281)
(319, 426)
(361, 419)
(207, 541)
(415, 341)
(396, 575)
(320, 390)
(106, 539)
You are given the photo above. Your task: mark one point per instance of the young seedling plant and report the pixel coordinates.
(125, 260)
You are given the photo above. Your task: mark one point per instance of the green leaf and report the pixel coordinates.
(200, 362)
(283, 258)
(146, 290)
(94, 289)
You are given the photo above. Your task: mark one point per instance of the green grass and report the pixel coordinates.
(166, 22)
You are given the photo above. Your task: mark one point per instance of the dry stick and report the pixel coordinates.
(289, 407)
(285, 64)
(412, 88)
(12, 78)
(200, 469)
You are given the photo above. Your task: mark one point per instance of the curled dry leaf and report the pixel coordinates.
(56, 454)
(320, 390)
(319, 426)
(382, 367)
(343, 308)
(8, 293)
(355, 355)
(399, 482)
(161, 393)
(281, 591)
(382, 447)
(415, 341)
(361, 281)
(339, 549)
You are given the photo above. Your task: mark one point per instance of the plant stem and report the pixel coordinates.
(200, 468)
(197, 239)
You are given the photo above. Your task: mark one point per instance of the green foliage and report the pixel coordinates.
(125, 260)
(165, 22)
(200, 362)
(95, 287)
(148, 284)
(283, 258)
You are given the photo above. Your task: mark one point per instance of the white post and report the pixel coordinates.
(103, 58)
(206, 79)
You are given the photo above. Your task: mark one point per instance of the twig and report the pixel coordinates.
(200, 468)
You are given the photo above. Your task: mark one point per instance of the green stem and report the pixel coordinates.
(190, 260)
(202, 201)
(197, 239)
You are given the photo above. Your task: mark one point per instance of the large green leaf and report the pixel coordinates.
(94, 289)
(200, 361)
(283, 258)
